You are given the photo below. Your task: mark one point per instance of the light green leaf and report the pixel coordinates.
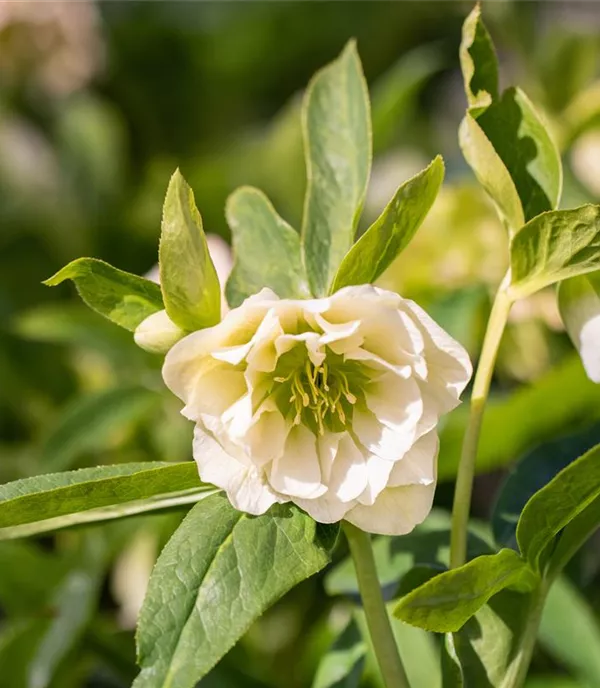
(48, 502)
(535, 470)
(219, 572)
(569, 631)
(342, 665)
(555, 246)
(491, 172)
(562, 397)
(486, 647)
(478, 62)
(124, 298)
(90, 423)
(579, 305)
(521, 140)
(337, 141)
(503, 138)
(266, 249)
(188, 278)
(390, 234)
(557, 504)
(444, 603)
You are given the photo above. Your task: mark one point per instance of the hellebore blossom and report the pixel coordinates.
(329, 403)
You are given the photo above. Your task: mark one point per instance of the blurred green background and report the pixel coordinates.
(98, 104)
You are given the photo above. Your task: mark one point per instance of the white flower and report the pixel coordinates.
(328, 403)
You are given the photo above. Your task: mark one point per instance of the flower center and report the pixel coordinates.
(321, 396)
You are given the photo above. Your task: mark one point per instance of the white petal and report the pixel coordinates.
(419, 465)
(378, 475)
(382, 440)
(327, 446)
(395, 402)
(214, 391)
(324, 509)
(245, 487)
(265, 440)
(297, 472)
(350, 473)
(312, 341)
(396, 511)
(448, 364)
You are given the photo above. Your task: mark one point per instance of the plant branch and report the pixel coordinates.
(481, 386)
(380, 629)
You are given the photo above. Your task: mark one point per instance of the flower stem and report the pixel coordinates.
(378, 620)
(481, 387)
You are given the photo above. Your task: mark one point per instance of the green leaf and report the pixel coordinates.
(337, 141)
(447, 601)
(503, 138)
(124, 298)
(219, 572)
(266, 249)
(342, 665)
(478, 62)
(486, 647)
(48, 502)
(532, 472)
(563, 398)
(428, 543)
(579, 305)
(557, 504)
(569, 631)
(391, 233)
(491, 172)
(574, 536)
(90, 423)
(188, 278)
(553, 247)
(521, 140)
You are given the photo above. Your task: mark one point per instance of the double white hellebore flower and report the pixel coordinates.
(330, 403)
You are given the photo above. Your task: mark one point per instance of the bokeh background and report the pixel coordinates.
(98, 105)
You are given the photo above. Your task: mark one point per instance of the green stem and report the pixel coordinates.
(520, 668)
(466, 469)
(378, 620)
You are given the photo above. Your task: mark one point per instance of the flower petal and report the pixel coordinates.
(245, 488)
(297, 473)
(396, 511)
(378, 474)
(448, 363)
(350, 473)
(419, 465)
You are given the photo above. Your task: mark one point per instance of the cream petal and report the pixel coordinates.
(378, 474)
(266, 438)
(395, 402)
(327, 447)
(325, 509)
(245, 488)
(350, 474)
(448, 363)
(297, 472)
(157, 333)
(218, 388)
(377, 363)
(396, 511)
(238, 418)
(419, 465)
(311, 340)
(380, 439)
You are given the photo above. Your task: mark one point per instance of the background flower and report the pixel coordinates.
(329, 403)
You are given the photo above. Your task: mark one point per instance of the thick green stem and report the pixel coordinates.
(466, 468)
(378, 620)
